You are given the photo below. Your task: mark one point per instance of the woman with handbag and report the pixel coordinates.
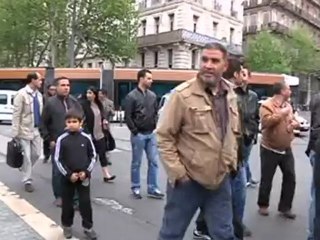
(96, 126)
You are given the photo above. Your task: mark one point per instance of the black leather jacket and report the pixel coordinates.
(141, 111)
(249, 114)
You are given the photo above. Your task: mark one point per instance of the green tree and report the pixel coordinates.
(109, 28)
(32, 29)
(23, 33)
(302, 47)
(268, 53)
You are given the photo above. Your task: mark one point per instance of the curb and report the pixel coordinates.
(39, 222)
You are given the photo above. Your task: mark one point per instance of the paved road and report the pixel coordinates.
(119, 217)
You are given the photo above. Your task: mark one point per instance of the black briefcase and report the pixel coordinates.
(14, 154)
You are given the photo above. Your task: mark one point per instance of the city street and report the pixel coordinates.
(117, 216)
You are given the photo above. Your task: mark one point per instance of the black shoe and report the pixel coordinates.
(156, 194)
(136, 193)
(28, 187)
(91, 234)
(109, 179)
(67, 232)
(46, 159)
(198, 235)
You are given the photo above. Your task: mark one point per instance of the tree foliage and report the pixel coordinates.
(303, 51)
(32, 30)
(267, 53)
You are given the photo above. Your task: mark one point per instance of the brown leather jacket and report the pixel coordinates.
(275, 132)
(188, 136)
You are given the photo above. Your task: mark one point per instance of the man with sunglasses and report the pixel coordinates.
(26, 118)
(198, 147)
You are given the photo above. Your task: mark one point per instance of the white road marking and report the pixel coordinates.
(114, 205)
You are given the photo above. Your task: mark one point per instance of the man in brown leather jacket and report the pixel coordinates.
(197, 144)
(278, 123)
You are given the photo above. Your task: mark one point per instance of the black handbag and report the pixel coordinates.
(110, 142)
(14, 154)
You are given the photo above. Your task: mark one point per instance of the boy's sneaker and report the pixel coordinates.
(198, 235)
(136, 193)
(67, 232)
(91, 234)
(156, 194)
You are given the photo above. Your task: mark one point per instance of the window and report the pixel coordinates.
(156, 24)
(253, 20)
(231, 35)
(3, 99)
(171, 20)
(144, 27)
(142, 55)
(12, 99)
(100, 64)
(156, 55)
(266, 18)
(170, 58)
(195, 23)
(89, 65)
(215, 29)
(193, 59)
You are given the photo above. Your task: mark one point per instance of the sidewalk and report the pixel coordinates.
(13, 227)
(19, 220)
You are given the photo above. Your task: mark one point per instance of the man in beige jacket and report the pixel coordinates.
(197, 144)
(26, 119)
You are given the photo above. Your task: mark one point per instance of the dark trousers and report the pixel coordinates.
(100, 146)
(46, 149)
(269, 163)
(56, 181)
(68, 193)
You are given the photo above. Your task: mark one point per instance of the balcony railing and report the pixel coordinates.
(275, 27)
(298, 11)
(178, 36)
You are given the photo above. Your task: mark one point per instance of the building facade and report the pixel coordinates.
(172, 32)
(280, 16)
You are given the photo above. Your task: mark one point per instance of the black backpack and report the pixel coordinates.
(14, 154)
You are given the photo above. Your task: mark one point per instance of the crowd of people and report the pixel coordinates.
(204, 138)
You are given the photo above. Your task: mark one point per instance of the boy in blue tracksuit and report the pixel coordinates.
(75, 157)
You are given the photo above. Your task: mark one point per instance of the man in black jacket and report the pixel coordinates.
(51, 91)
(53, 124)
(141, 113)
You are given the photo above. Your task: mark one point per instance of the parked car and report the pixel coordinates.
(6, 104)
(162, 103)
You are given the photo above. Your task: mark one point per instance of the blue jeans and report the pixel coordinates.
(238, 186)
(246, 150)
(147, 143)
(183, 201)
